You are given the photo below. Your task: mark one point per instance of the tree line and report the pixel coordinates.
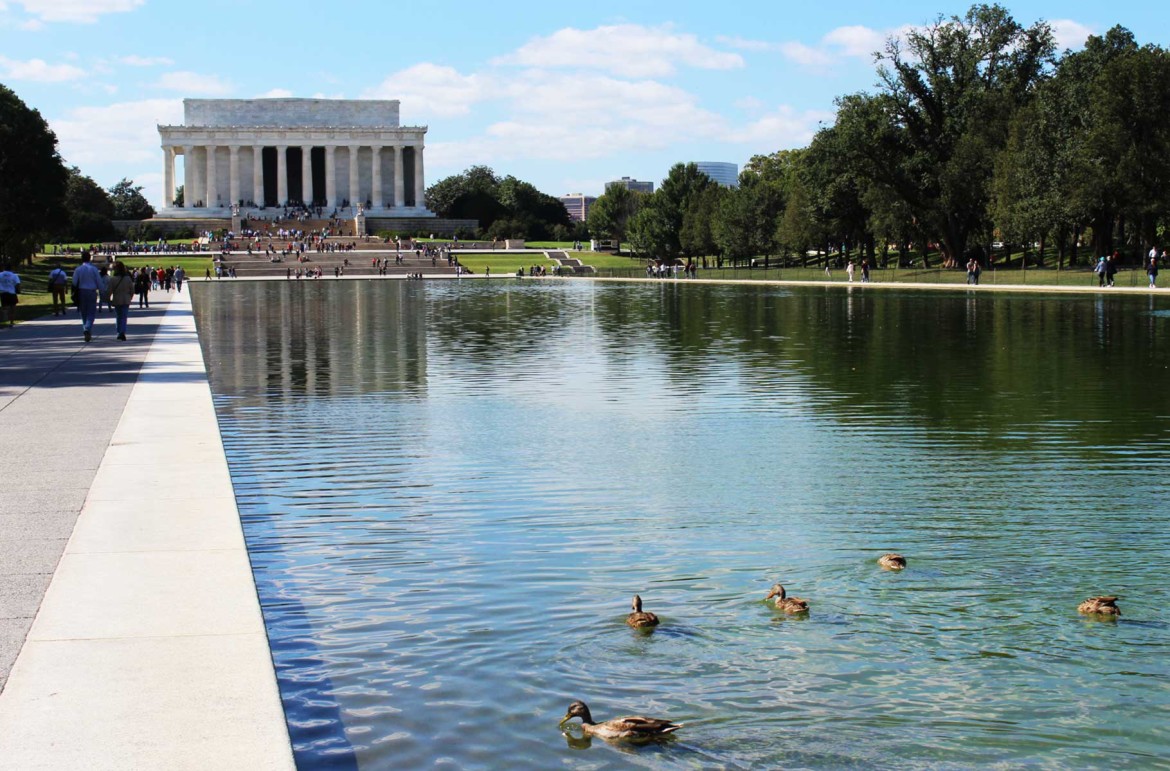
(978, 141)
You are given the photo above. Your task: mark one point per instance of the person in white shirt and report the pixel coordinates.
(9, 288)
(88, 282)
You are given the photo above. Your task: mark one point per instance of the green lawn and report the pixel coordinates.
(1034, 276)
(504, 263)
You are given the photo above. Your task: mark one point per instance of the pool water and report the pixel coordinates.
(451, 491)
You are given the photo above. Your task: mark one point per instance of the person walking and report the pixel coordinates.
(180, 274)
(142, 287)
(87, 280)
(119, 292)
(1152, 268)
(1111, 268)
(57, 281)
(9, 289)
(849, 271)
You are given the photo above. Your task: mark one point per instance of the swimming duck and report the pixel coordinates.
(892, 561)
(631, 727)
(786, 603)
(1100, 606)
(638, 619)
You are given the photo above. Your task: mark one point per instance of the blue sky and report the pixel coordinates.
(564, 95)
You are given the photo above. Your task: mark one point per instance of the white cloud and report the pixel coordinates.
(749, 104)
(858, 41)
(630, 50)
(133, 60)
(85, 11)
(1069, 34)
(121, 133)
(805, 55)
(430, 89)
(853, 42)
(782, 128)
(276, 93)
(38, 70)
(744, 44)
(193, 83)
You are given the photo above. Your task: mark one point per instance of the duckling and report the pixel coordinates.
(892, 561)
(784, 602)
(631, 727)
(1099, 606)
(638, 619)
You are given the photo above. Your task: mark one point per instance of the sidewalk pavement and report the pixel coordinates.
(148, 649)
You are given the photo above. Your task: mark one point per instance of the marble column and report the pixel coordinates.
(209, 200)
(199, 175)
(258, 175)
(376, 177)
(330, 176)
(399, 179)
(307, 175)
(234, 174)
(420, 190)
(281, 175)
(188, 176)
(355, 196)
(168, 177)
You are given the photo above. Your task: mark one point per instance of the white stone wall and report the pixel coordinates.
(314, 113)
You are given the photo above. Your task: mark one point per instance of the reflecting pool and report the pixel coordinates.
(451, 491)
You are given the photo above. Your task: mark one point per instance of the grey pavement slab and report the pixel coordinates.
(148, 647)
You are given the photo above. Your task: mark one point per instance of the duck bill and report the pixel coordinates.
(564, 720)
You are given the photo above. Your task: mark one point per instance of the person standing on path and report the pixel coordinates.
(849, 271)
(57, 281)
(180, 274)
(1152, 269)
(142, 287)
(119, 292)
(9, 289)
(87, 280)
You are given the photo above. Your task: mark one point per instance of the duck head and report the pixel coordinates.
(577, 709)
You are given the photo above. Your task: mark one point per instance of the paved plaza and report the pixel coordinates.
(131, 632)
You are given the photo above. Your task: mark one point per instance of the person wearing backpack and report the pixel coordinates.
(58, 279)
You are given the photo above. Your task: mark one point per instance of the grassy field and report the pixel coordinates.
(504, 263)
(1032, 276)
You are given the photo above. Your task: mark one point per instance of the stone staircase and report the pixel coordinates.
(569, 263)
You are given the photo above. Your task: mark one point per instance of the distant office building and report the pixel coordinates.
(633, 184)
(578, 205)
(726, 174)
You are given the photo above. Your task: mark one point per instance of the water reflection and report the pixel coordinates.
(451, 491)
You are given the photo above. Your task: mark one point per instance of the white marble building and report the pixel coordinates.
(262, 154)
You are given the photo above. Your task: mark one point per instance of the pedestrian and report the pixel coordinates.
(849, 271)
(865, 271)
(119, 292)
(1099, 269)
(87, 282)
(142, 288)
(1111, 268)
(971, 265)
(9, 289)
(1152, 268)
(57, 281)
(180, 274)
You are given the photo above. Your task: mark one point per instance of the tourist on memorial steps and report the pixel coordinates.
(87, 280)
(9, 288)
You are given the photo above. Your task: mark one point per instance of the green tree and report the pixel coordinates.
(931, 134)
(129, 202)
(32, 178)
(179, 191)
(658, 224)
(610, 215)
(88, 209)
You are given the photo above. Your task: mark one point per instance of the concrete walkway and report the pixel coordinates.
(148, 649)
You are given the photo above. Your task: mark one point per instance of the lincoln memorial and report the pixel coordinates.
(270, 153)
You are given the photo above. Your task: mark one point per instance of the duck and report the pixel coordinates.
(631, 727)
(639, 619)
(786, 603)
(1099, 606)
(892, 561)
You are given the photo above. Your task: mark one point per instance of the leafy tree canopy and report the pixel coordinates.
(32, 178)
(129, 202)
